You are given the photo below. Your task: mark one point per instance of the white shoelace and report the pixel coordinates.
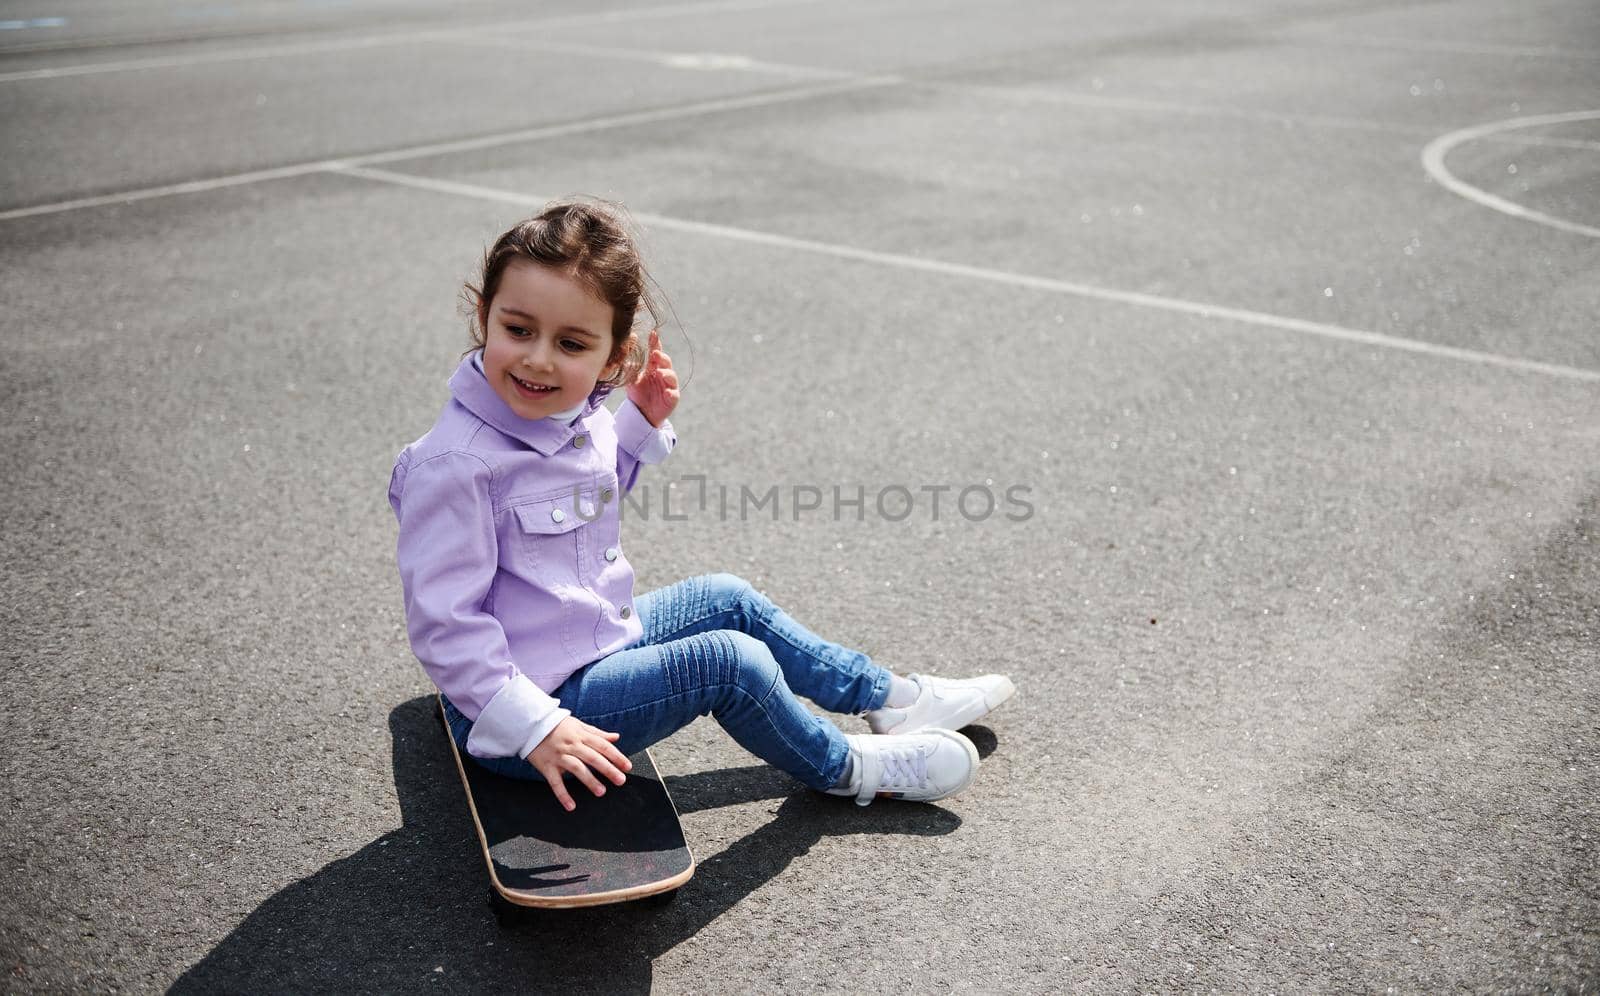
(897, 769)
(903, 768)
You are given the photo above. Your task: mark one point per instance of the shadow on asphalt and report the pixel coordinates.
(982, 738)
(408, 912)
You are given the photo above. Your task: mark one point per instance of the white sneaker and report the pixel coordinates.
(919, 767)
(944, 703)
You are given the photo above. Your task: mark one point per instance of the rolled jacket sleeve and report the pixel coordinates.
(639, 442)
(515, 720)
(448, 553)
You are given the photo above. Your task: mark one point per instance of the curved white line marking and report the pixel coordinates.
(1433, 161)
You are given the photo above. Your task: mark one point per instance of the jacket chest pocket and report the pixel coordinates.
(561, 535)
(552, 542)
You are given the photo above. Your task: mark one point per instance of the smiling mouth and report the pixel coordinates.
(529, 387)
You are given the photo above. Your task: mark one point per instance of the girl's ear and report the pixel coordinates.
(619, 357)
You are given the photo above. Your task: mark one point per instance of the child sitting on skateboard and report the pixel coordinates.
(519, 600)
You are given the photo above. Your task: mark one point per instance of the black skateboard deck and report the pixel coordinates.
(625, 845)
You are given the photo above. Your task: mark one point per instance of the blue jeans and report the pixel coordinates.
(713, 644)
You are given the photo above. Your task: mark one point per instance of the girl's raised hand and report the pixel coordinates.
(655, 391)
(574, 747)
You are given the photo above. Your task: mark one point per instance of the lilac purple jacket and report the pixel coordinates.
(510, 552)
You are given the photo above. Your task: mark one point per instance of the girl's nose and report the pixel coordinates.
(539, 357)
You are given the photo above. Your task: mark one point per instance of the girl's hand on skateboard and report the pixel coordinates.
(574, 747)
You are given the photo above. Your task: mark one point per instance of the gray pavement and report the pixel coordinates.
(1303, 617)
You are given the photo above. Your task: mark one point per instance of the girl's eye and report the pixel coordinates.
(572, 345)
(517, 331)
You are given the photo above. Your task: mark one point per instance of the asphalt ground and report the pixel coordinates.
(1281, 316)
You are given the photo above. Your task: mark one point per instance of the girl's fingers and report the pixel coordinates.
(605, 747)
(558, 785)
(615, 756)
(600, 763)
(608, 750)
(581, 772)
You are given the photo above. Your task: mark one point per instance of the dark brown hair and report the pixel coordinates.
(589, 240)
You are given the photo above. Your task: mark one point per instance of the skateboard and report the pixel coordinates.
(623, 846)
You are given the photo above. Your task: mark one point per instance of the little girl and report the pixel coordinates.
(519, 599)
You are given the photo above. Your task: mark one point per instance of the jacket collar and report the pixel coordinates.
(469, 387)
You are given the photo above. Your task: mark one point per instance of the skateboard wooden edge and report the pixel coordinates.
(534, 901)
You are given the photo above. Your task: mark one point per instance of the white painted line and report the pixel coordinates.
(667, 11)
(1142, 104)
(33, 22)
(1016, 94)
(1195, 308)
(705, 61)
(438, 186)
(1553, 143)
(711, 61)
(1435, 151)
(173, 189)
(396, 38)
(686, 60)
(1289, 119)
(1445, 45)
(624, 120)
(1027, 95)
(230, 55)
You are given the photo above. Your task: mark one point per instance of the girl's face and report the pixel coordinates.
(547, 340)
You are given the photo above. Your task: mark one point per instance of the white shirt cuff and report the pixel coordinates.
(635, 434)
(519, 716)
(656, 447)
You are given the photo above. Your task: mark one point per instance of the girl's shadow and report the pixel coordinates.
(409, 911)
